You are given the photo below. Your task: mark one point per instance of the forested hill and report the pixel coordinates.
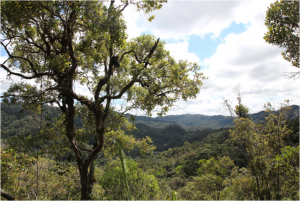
(16, 123)
(187, 121)
(166, 132)
(199, 121)
(172, 135)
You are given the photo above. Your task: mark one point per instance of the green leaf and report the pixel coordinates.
(174, 195)
(151, 18)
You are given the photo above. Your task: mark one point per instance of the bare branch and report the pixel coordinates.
(228, 107)
(292, 75)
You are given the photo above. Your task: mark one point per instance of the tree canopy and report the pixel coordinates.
(282, 21)
(63, 44)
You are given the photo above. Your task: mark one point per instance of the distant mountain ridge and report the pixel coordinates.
(199, 121)
(166, 132)
(186, 121)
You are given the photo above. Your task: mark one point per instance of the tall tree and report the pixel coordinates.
(64, 43)
(263, 142)
(282, 20)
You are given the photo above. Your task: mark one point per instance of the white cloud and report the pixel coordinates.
(244, 59)
(258, 67)
(179, 51)
(180, 19)
(3, 58)
(4, 84)
(133, 20)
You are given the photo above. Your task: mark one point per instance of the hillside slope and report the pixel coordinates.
(198, 121)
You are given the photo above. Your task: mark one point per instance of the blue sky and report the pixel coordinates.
(205, 47)
(226, 39)
(3, 53)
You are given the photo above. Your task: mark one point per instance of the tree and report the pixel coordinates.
(263, 142)
(240, 110)
(209, 184)
(61, 44)
(288, 164)
(19, 172)
(282, 21)
(141, 185)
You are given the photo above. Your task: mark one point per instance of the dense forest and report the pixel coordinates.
(58, 143)
(196, 164)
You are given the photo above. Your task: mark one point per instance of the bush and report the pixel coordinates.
(141, 185)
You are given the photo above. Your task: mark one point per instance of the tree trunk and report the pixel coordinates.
(84, 181)
(6, 195)
(87, 179)
(261, 197)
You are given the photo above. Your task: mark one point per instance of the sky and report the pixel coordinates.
(226, 39)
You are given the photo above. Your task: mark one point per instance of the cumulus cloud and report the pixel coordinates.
(244, 59)
(180, 19)
(179, 51)
(241, 59)
(133, 20)
(247, 60)
(258, 69)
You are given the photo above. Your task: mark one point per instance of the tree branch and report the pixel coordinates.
(18, 57)
(125, 54)
(122, 92)
(150, 53)
(26, 77)
(6, 195)
(124, 7)
(31, 96)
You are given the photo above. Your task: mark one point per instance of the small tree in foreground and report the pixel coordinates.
(141, 185)
(60, 44)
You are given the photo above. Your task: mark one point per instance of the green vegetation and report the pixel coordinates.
(236, 164)
(78, 150)
(141, 185)
(282, 21)
(58, 43)
(242, 163)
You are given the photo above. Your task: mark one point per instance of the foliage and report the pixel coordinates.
(287, 162)
(58, 43)
(272, 171)
(21, 177)
(10, 169)
(240, 185)
(141, 185)
(206, 168)
(209, 184)
(262, 143)
(293, 138)
(187, 121)
(282, 21)
(174, 195)
(170, 136)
